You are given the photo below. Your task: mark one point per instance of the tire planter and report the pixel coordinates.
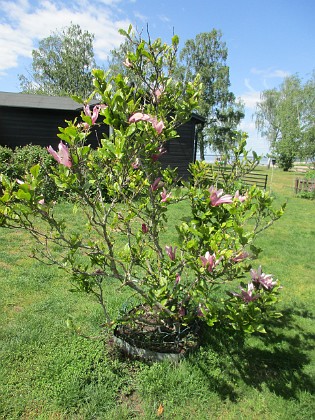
(147, 355)
(154, 341)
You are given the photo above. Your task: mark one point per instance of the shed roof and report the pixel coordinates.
(198, 118)
(63, 103)
(24, 100)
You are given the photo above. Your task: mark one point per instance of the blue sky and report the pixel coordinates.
(267, 40)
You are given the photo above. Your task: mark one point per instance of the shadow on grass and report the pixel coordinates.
(276, 360)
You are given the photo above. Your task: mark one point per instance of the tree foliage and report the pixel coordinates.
(118, 56)
(62, 64)
(308, 123)
(123, 196)
(206, 55)
(285, 116)
(119, 62)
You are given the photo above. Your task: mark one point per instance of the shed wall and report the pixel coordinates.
(22, 126)
(180, 150)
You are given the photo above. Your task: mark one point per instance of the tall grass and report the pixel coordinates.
(49, 371)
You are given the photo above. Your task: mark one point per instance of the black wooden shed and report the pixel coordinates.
(34, 119)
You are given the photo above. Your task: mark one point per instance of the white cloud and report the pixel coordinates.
(141, 17)
(164, 18)
(250, 99)
(22, 24)
(109, 2)
(248, 85)
(12, 45)
(252, 95)
(270, 73)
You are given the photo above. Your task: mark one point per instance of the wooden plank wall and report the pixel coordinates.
(22, 126)
(180, 150)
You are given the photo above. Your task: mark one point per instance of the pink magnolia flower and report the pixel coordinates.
(171, 252)
(127, 63)
(209, 261)
(177, 278)
(216, 197)
(240, 257)
(140, 116)
(262, 279)
(96, 111)
(41, 202)
(144, 228)
(84, 125)
(19, 181)
(157, 93)
(247, 296)
(239, 197)
(156, 156)
(136, 164)
(63, 156)
(156, 184)
(165, 196)
(158, 125)
(182, 311)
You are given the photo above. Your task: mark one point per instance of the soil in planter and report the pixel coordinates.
(144, 329)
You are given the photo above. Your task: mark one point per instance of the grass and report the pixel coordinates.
(47, 371)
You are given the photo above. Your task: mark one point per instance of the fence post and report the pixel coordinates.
(296, 185)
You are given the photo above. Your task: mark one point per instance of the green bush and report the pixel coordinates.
(6, 155)
(307, 194)
(15, 164)
(310, 174)
(285, 160)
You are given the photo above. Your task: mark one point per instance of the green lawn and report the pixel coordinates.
(47, 371)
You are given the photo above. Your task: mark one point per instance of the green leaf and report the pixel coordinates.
(261, 329)
(123, 32)
(108, 148)
(5, 198)
(22, 195)
(175, 40)
(77, 99)
(35, 170)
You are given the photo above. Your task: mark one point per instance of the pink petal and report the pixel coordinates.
(144, 228)
(165, 195)
(159, 127)
(203, 260)
(64, 155)
(94, 117)
(127, 63)
(139, 116)
(87, 110)
(156, 184)
(54, 154)
(170, 252)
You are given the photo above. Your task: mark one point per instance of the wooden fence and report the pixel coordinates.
(250, 178)
(301, 185)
